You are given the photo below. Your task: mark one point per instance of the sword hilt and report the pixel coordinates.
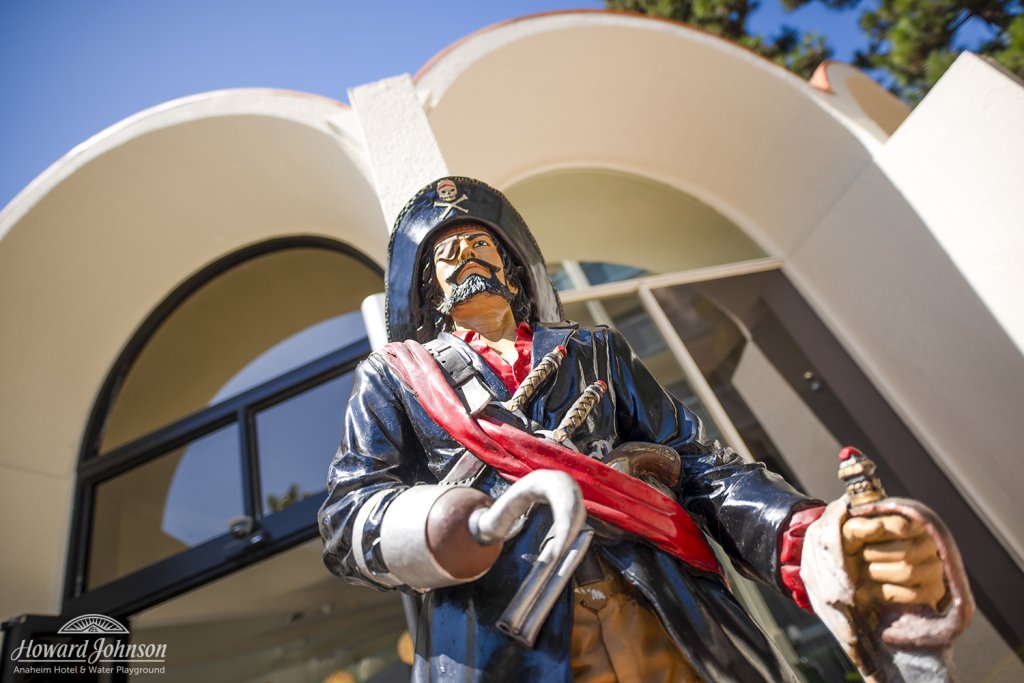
(548, 364)
(579, 411)
(857, 471)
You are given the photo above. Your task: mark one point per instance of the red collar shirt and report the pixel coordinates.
(511, 375)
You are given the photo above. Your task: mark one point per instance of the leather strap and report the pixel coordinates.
(462, 376)
(459, 369)
(467, 383)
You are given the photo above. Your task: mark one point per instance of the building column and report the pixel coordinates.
(403, 152)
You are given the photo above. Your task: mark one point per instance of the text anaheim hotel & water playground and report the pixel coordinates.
(97, 655)
(80, 658)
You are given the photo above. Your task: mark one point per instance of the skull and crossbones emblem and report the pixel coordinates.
(447, 192)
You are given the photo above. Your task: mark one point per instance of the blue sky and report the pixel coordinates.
(70, 68)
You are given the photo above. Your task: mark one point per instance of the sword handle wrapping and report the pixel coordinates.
(529, 385)
(579, 411)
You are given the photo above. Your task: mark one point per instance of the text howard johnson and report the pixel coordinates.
(96, 656)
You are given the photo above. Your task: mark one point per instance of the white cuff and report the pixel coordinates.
(357, 540)
(403, 540)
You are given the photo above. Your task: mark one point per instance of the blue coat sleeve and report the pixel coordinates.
(379, 457)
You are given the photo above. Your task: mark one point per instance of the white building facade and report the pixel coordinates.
(809, 264)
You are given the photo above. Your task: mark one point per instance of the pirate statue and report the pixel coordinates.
(549, 500)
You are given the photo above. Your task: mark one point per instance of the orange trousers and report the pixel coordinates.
(617, 637)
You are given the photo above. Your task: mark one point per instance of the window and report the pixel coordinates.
(265, 315)
(211, 441)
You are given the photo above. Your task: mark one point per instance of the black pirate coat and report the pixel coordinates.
(391, 444)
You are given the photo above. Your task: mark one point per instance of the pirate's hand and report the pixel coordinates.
(449, 538)
(892, 560)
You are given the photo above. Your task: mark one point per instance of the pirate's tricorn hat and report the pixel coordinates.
(441, 204)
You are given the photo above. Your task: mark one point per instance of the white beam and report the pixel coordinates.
(404, 154)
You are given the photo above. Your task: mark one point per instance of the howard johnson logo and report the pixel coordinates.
(104, 649)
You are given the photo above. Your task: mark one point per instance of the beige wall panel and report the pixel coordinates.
(959, 160)
(584, 215)
(981, 655)
(877, 275)
(34, 543)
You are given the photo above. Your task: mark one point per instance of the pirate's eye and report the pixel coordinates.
(482, 243)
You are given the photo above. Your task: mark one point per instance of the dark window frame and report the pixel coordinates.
(225, 553)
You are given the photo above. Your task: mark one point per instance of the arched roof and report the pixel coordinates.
(652, 97)
(109, 230)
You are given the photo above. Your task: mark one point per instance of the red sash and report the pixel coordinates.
(608, 494)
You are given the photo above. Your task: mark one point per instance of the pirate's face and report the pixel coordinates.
(463, 251)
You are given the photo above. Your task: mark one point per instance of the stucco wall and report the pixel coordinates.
(917, 269)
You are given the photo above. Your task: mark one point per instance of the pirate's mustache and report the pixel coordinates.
(473, 285)
(490, 268)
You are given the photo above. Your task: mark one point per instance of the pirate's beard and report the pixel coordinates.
(473, 285)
